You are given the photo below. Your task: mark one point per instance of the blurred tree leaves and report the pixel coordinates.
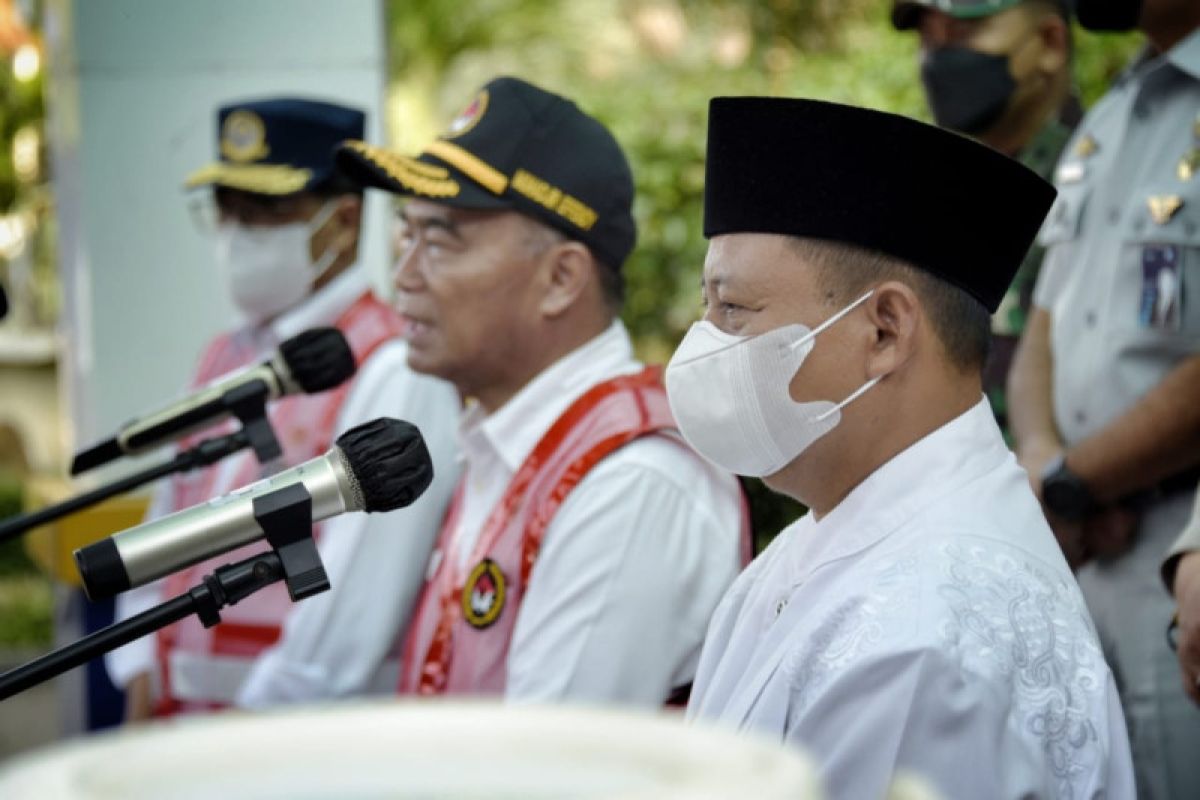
(20, 105)
(648, 69)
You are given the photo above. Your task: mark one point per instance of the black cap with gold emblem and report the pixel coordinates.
(518, 147)
(937, 200)
(278, 146)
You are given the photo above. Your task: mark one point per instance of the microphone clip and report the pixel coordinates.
(285, 517)
(248, 402)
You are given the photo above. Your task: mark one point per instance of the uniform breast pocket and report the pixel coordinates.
(1062, 223)
(1158, 284)
(1060, 236)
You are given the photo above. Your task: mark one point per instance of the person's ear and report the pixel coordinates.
(895, 313)
(567, 268)
(347, 216)
(1055, 37)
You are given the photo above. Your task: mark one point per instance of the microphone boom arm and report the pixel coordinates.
(286, 519)
(207, 452)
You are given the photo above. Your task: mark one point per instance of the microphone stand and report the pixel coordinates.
(203, 454)
(284, 515)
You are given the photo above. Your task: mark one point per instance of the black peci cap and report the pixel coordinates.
(935, 199)
(518, 147)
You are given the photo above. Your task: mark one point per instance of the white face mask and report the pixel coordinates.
(269, 269)
(730, 396)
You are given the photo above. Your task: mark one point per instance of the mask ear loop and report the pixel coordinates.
(853, 396)
(322, 264)
(860, 390)
(811, 334)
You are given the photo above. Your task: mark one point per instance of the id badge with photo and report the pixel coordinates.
(1162, 287)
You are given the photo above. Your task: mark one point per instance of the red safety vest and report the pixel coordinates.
(459, 639)
(209, 663)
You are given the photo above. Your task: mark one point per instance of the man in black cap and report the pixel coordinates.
(287, 234)
(587, 546)
(1000, 71)
(921, 618)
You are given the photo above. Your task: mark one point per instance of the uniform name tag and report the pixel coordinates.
(1162, 287)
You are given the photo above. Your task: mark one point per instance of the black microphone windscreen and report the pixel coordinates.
(3, 302)
(388, 461)
(318, 359)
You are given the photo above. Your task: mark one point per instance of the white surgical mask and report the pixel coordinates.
(731, 400)
(269, 269)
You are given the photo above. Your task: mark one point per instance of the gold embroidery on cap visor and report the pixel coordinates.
(426, 180)
(276, 179)
(470, 165)
(244, 137)
(430, 181)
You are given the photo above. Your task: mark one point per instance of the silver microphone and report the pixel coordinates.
(310, 362)
(378, 466)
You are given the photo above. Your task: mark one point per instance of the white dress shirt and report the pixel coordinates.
(927, 624)
(336, 643)
(631, 565)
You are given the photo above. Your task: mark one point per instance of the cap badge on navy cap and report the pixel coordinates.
(468, 117)
(244, 137)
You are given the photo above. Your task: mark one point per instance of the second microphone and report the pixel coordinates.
(380, 465)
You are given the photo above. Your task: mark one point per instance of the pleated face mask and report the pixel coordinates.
(731, 400)
(268, 269)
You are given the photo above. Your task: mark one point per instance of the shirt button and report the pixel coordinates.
(1141, 109)
(1080, 417)
(1090, 319)
(1114, 215)
(1189, 227)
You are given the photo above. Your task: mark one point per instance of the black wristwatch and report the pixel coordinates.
(1064, 493)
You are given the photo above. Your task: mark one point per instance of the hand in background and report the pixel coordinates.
(1187, 595)
(139, 699)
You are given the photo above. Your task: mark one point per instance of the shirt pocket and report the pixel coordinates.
(1156, 295)
(1063, 222)
(1060, 237)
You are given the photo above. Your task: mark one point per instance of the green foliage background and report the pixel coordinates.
(648, 70)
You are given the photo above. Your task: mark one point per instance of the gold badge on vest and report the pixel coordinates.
(483, 594)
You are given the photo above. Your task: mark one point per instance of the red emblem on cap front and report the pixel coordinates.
(469, 116)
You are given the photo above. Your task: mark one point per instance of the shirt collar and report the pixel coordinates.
(1186, 54)
(960, 451)
(514, 429)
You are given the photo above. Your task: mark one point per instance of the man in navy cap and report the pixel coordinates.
(587, 545)
(921, 618)
(287, 235)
